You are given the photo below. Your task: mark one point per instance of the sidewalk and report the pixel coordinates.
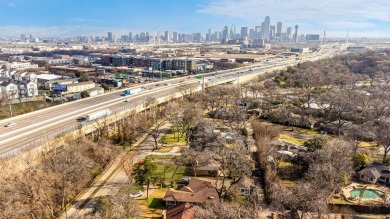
(114, 178)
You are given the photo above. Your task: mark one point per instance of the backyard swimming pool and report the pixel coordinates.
(367, 193)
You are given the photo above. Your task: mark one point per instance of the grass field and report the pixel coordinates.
(291, 139)
(302, 131)
(164, 149)
(154, 205)
(172, 139)
(368, 145)
(173, 172)
(159, 157)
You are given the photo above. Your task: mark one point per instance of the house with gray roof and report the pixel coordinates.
(374, 173)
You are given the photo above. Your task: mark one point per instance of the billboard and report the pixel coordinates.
(59, 88)
(121, 76)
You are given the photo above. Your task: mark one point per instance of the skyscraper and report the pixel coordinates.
(257, 32)
(175, 37)
(296, 34)
(244, 32)
(109, 37)
(225, 33)
(130, 37)
(252, 33)
(232, 34)
(289, 32)
(272, 33)
(279, 29)
(265, 28)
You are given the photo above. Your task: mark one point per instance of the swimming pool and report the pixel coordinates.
(367, 193)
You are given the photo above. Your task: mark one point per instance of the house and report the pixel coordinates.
(196, 192)
(374, 173)
(18, 89)
(210, 171)
(245, 186)
(9, 89)
(180, 211)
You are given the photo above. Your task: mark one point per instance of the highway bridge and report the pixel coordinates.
(35, 128)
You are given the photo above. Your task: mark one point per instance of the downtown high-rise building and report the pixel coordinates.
(279, 29)
(130, 37)
(272, 33)
(109, 37)
(225, 33)
(244, 32)
(289, 32)
(265, 28)
(232, 34)
(257, 32)
(252, 33)
(175, 37)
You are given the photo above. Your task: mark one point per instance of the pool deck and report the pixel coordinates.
(381, 189)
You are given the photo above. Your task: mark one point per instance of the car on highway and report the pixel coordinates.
(157, 85)
(136, 194)
(9, 124)
(81, 119)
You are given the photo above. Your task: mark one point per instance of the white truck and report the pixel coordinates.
(132, 91)
(98, 114)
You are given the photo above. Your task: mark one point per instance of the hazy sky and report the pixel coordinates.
(96, 17)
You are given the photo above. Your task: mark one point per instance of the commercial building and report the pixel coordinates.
(19, 65)
(95, 91)
(312, 37)
(300, 50)
(244, 32)
(279, 29)
(49, 84)
(78, 87)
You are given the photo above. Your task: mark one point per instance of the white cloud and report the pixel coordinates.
(326, 14)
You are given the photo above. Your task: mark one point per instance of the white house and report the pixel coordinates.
(9, 89)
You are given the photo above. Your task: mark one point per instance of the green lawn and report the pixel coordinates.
(368, 145)
(291, 139)
(164, 149)
(173, 172)
(172, 139)
(160, 157)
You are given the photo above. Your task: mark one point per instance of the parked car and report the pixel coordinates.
(81, 119)
(9, 124)
(136, 194)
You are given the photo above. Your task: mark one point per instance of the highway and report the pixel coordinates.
(33, 128)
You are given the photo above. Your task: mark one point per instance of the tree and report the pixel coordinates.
(315, 143)
(386, 162)
(383, 135)
(226, 210)
(155, 132)
(193, 158)
(233, 162)
(145, 172)
(190, 117)
(105, 87)
(84, 94)
(360, 160)
(83, 77)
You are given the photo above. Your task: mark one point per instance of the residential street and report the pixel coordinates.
(115, 177)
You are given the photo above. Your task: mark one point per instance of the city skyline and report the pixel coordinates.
(59, 18)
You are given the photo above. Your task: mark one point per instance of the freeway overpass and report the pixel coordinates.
(35, 128)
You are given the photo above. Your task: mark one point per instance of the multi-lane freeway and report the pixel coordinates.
(33, 128)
